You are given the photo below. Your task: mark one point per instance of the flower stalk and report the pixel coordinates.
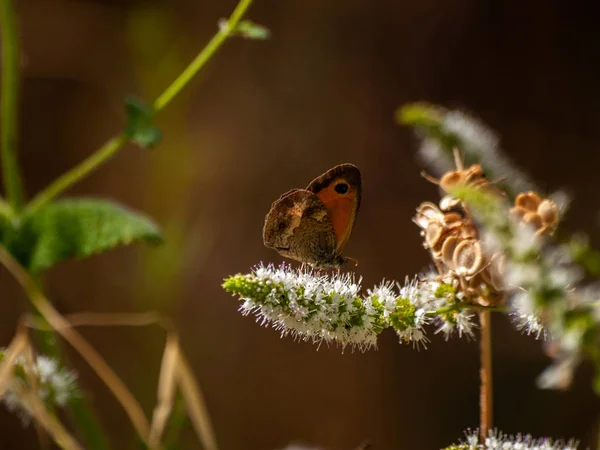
(486, 386)
(113, 145)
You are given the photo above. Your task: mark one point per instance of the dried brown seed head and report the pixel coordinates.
(528, 201)
(548, 211)
(448, 202)
(519, 211)
(468, 257)
(540, 214)
(471, 176)
(533, 219)
(450, 180)
(427, 212)
(433, 234)
(473, 173)
(453, 219)
(448, 249)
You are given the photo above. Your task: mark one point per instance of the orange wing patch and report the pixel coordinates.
(342, 209)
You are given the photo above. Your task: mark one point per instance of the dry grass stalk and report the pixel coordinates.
(12, 352)
(20, 347)
(48, 422)
(97, 362)
(183, 375)
(33, 378)
(196, 407)
(175, 370)
(166, 391)
(79, 343)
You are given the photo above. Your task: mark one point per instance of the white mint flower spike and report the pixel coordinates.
(326, 308)
(497, 440)
(310, 306)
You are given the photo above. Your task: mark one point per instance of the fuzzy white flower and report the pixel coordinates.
(56, 385)
(461, 323)
(310, 306)
(321, 308)
(405, 310)
(497, 440)
(465, 325)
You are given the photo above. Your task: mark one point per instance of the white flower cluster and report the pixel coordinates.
(544, 286)
(326, 308)
(500, 441)
(55, 385)
(311, 306)
(433, 302)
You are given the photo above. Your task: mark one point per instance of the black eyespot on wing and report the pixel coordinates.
(281, 225)
(341, 188)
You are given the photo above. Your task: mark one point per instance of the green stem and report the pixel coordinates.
(465, 306)
(215, 43)
(71, 177)
(9, 107)
(94, 161)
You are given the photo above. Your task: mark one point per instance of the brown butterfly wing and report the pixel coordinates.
(340, 189)
(298, 227)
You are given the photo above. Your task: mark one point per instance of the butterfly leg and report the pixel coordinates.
(354, 260)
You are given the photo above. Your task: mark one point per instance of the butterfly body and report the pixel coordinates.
(313, 225)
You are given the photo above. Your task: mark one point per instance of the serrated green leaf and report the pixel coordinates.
(139, 128)
(76, 228)
(251, 30)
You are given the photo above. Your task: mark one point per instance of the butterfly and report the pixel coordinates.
(313, 225)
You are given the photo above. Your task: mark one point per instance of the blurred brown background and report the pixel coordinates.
(265, 117)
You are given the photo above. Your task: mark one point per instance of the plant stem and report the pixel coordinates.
(62, 327)
(111, 147)
(200, 60)
(77, 173)
(9, 107)
(485, 388)
(457, 307)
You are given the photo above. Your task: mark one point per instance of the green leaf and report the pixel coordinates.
(76, 228)
(139, 128)
(251, 30)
